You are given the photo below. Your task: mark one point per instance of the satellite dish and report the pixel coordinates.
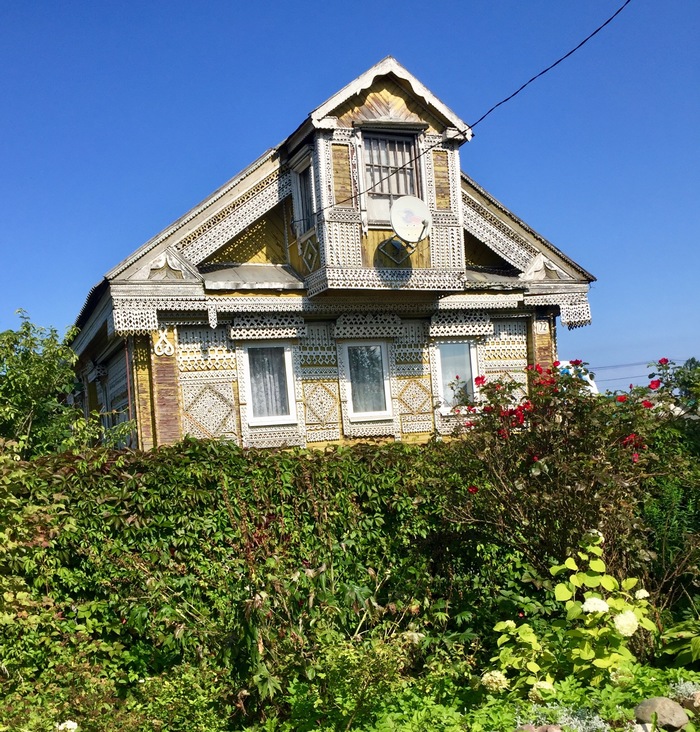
(410, 219)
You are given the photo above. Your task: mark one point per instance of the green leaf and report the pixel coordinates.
(590, 580)
(532, 666)
(597, 565)
(629, 583)
(609, 583)
(570, 563)
(562, 592)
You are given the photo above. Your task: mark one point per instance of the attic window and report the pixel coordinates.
(390, 172)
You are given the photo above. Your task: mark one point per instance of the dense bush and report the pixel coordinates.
(201, 586)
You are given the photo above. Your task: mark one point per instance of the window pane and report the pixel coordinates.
(455, 361)
(268, 382)
(384, 170)
(367, 378)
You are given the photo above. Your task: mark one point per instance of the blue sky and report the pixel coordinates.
(120, 117)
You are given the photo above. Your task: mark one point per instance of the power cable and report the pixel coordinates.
(465, 133)
(556, 63)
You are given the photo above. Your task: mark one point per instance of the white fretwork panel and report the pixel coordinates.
(231, 220)
(415, 401)
(261, 326)
(201, 348)
(506, 350)
(317, 351)
(209, 407)
(574, 308)
(134, 320)
(343, 245)
(368, 325)
(411, 349)
(480, 222)
(446, 247)
(451, 323)
(322, 404)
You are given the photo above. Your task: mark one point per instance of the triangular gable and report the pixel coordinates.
(389, 66)
(513, 240)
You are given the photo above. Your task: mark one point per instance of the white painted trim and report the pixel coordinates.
(444, 408)
(385, 414)
(291, 418)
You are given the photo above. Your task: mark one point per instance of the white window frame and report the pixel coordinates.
(370, 195)
(445, 407)
(290, 418)
(300, 164)
(380, 416)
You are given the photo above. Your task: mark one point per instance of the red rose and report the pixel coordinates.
(621, 397)
(538, 368)
(556, 364)
(480, 380)
(473, 489)
(535, 458)
(635, 457)
(663, 361)
(654, 384)
(647, 404)
(576, 362)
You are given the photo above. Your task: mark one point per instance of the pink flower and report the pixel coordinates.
(535, 458)
(663, 361)
(647, 404)
(635, 457)
(480, 380)
(621, 398)
(654, 384)
(472, 489)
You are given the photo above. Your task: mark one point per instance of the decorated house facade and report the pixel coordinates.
(286, 309)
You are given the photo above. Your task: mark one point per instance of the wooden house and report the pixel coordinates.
(284, 310)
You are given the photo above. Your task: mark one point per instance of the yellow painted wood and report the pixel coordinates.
(342, 177)
(386, 99)
(261, 243)
(441, 171)
(143, 395)
(372, 257)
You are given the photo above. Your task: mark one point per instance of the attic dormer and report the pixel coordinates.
(382, 137)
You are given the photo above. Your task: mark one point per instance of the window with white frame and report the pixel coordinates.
(456, 365)
(367, 379)
(270, 384)
(390, 172)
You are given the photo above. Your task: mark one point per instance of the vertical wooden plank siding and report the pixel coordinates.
(342, 178)
(543, 343)
(166, 401)
(142, 393)
(441, 171)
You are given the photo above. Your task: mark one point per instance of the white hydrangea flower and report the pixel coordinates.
(494, 681)
(641, 594)
(626, 623)
(535, 693)
(69, 725)
(595, 605)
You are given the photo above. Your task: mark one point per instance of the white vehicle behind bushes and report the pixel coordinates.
(566, 367)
